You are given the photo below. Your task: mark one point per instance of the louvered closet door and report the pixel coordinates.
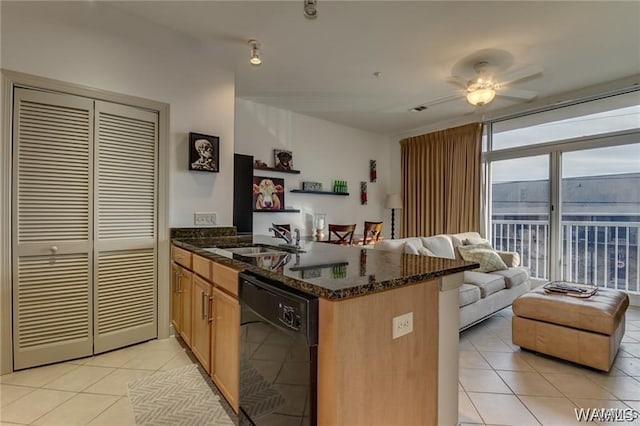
(125, 251)
(52, 227)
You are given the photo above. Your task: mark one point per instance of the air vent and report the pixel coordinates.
(419, 108)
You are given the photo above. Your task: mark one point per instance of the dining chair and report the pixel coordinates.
(372, 232)
(285, 226)
(344, 233)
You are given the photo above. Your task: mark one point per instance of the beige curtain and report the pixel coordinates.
(441, 181)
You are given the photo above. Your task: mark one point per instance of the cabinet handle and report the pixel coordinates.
(202, 302)
(210, 309)
(53, 249)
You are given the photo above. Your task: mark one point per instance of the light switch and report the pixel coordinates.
(204, 219)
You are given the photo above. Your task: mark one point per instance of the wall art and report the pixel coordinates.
(268, 193)
(283, 160)
(204, 152)
(373, 173)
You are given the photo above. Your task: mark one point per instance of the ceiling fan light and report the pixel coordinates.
(481, 96)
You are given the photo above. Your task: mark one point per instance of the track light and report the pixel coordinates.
(254, 59)
(310, 9)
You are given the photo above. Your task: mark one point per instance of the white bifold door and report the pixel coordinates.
(84, 226)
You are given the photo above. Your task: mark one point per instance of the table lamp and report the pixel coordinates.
(318, 225)
(393, 202)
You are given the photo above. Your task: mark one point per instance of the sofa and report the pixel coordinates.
(482, 293)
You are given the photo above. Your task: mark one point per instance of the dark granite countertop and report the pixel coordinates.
(327, 270)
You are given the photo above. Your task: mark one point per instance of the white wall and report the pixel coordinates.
(323, 152)
(100, 47)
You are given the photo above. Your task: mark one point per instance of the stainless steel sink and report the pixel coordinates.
(248, 251)
(253, 250)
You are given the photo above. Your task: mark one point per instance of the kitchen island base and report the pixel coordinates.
(368, 378)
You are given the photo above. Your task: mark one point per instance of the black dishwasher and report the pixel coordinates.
(278, 354)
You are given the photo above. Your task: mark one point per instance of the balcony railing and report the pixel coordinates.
(602, 253)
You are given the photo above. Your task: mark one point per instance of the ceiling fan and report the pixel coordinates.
(486, 85)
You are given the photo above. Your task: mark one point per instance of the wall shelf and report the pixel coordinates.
(303, 191)
(273, 169)
(278, 211)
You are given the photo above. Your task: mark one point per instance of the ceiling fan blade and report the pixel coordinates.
(518, 74)
(517, 93)
(457, 81)
(441, 100)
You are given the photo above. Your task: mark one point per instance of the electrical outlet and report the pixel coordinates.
(402, 325)
(204, 219)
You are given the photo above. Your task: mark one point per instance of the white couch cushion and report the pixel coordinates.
(390, 245)
(513, 276)
(426, 252)
(468, 294)
(458, 239)
(487, 283)
(411, 249)
(465, 238)
(440, 246)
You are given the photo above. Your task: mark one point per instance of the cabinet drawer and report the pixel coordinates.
(225, 278)
(202, 266)
(181, 256)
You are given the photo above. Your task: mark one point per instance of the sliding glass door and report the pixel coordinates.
(520, 210)
(563, 190)
(600, 224)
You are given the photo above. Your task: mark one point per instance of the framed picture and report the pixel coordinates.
(311, 186)
(268, 193)
(283, 160)
(204, 152)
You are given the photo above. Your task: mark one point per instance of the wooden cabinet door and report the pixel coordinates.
(202, 317)
(225, 343)
(186, 314)
(176, 302)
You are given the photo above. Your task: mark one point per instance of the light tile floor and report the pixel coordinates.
(503, 385)
(89, 391)
(499, 383)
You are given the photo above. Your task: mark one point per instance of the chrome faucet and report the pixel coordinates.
(286, 235)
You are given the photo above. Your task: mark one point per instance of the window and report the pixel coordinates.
(563, 190)
(520, 210)
(600, 196)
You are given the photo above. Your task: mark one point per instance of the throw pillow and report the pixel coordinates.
(484, 255)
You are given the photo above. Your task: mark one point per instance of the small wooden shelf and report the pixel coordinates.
(273, 169)
(278, 211)
(303, 191)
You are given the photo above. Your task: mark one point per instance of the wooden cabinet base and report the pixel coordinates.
(365, 377)
(225, 346)
(202, 317)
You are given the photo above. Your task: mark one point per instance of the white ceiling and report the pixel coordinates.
(324, 67)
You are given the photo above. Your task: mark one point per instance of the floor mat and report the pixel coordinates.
(178, 397)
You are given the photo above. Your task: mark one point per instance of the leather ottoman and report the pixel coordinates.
(585, 331)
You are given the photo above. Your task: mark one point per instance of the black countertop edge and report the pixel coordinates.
(325, 293)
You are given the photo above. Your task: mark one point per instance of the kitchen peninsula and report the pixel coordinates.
(365, 376)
